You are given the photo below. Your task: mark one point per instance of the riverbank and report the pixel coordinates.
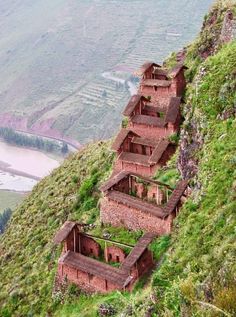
(5, 168)
(73, 145)
(21, 168)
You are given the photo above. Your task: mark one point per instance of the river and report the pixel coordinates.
(20, 168)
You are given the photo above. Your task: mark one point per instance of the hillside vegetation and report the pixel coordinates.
(28, 257)
(197, 274)
(9, 199)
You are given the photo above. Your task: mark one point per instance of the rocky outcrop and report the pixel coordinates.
(218, 28)
(213, 34)
(228, 32)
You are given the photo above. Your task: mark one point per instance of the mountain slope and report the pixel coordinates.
(40, 93)
(27, 246)
(201, 266)
(196, 277)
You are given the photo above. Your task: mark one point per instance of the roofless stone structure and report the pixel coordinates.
(131, 198)
(150, 121)
(160, 84)
(141, 203)
(82, 262)
(140, 154)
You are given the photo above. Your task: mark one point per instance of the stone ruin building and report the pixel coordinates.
(140, 154)
(139, 203)
(152, 121)
(159, 84)
(131, 197)
(84, 262)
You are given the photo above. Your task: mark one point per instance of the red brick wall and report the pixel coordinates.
(156, 195)
(123, 186)
(114, 254)
(159, 77)
(179, 83)
(145, 263)
(161, 95)
(69, 244)
(89, 246)
(136, 148)
(85, 281)
(151, 113)
(135, 168)
(146, 191)
(119, 215)
(167, 154)
(139, 189)
(125, 147)
(151, 132)
(148, 73)
(141, 149)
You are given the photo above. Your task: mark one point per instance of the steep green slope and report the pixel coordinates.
(27, 264)
(201, 265)
(28, 259)
(197, 275)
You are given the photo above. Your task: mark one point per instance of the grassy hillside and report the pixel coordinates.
(37, 87)
(200, 267)
(27, 263)
(9, 199)
(198, 276)
(198, 271)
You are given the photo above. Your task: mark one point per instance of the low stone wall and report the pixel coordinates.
(119, 215)
(85, 281)
(160, 96)
(120, 166)
(155, 133)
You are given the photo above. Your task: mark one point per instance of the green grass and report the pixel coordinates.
(29, 258)
(9, 199)
(52, 201)
(71, 192)
(201, 265)
(196, 274)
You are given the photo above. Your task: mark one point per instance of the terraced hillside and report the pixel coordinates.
(53, 55)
